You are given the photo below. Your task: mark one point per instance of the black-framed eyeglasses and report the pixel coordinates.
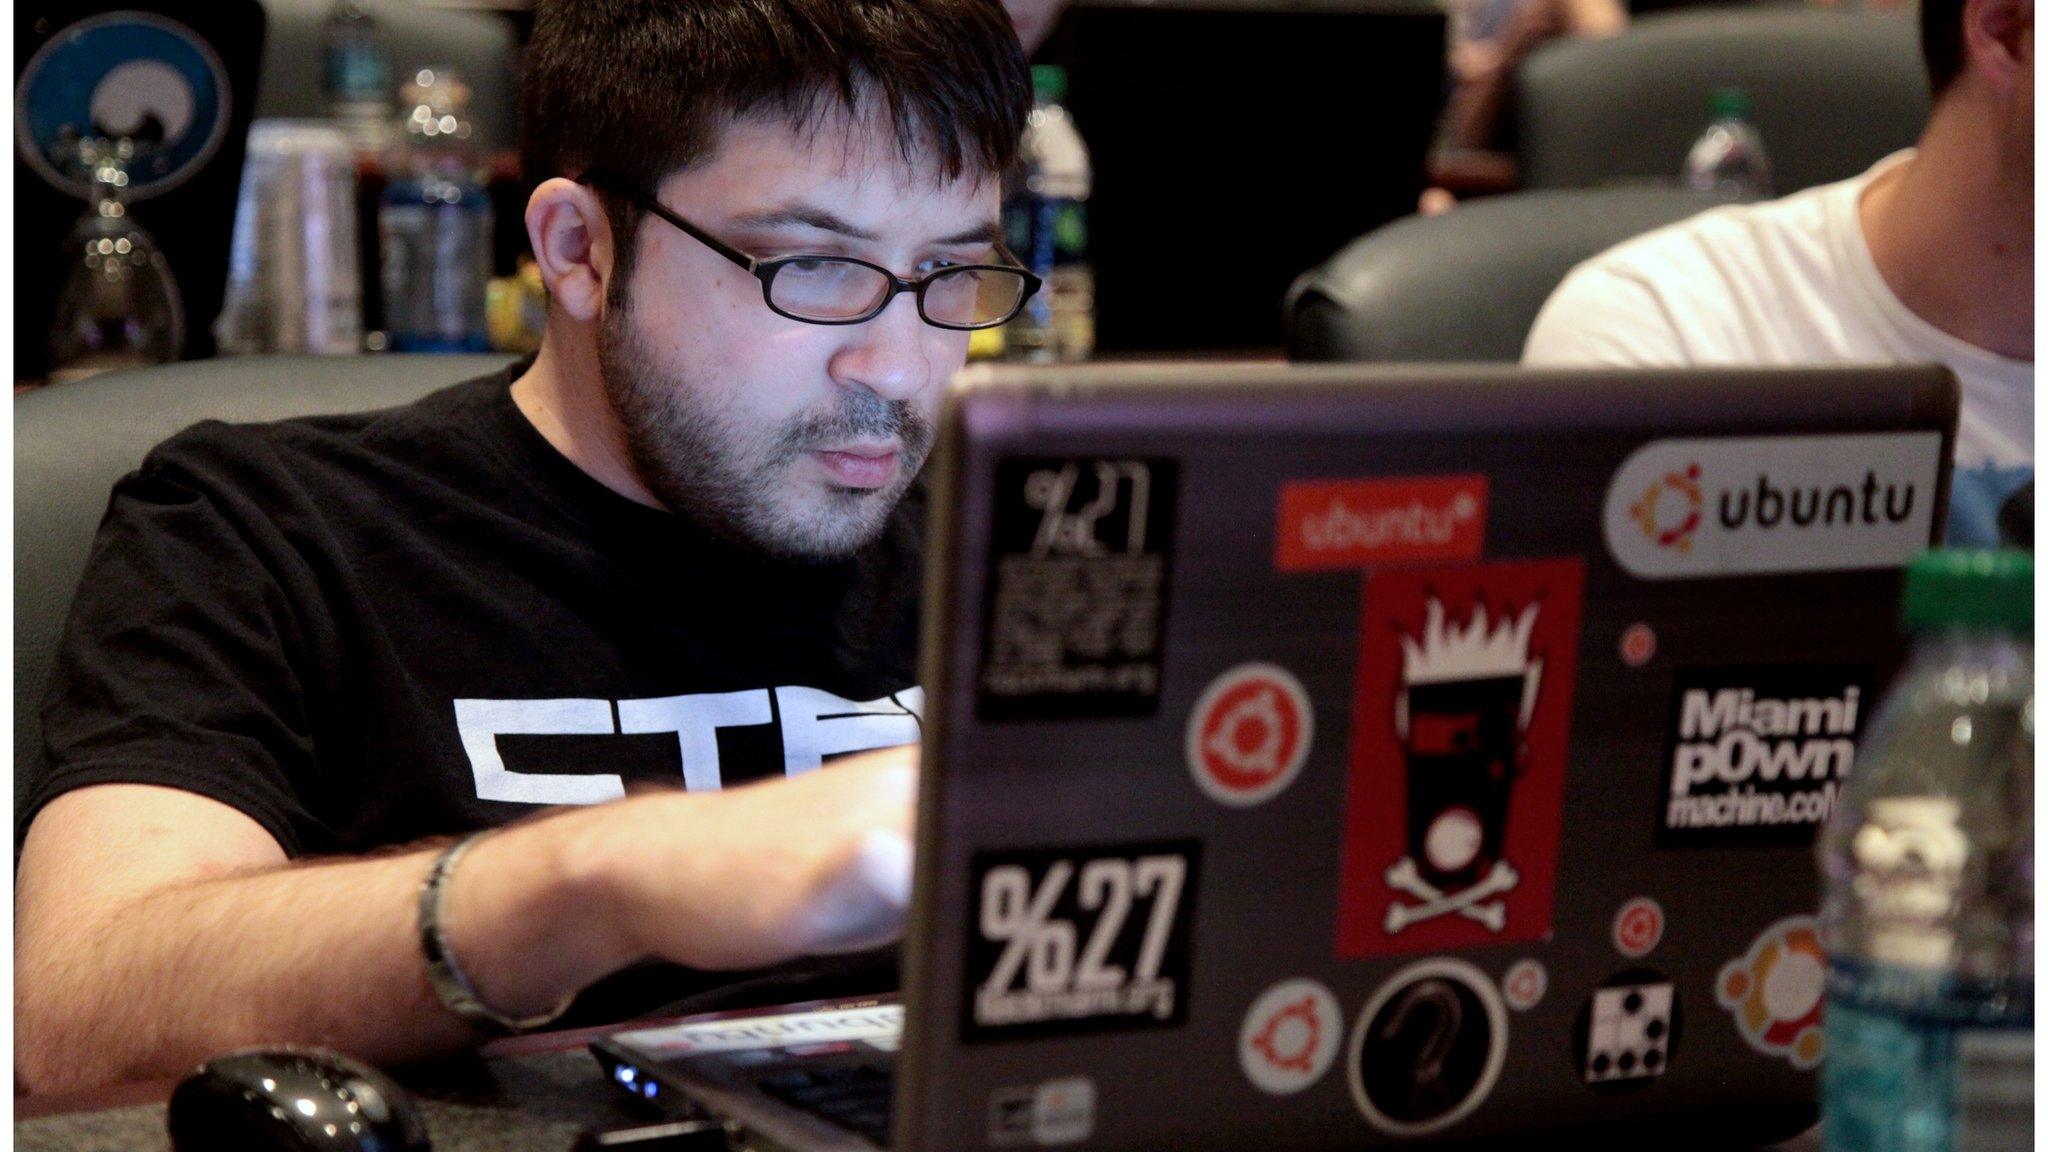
(844, 290)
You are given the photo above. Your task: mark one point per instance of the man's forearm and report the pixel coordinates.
(325, 952)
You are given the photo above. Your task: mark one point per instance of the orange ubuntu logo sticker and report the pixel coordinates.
(1671, 522)
(1775, 991)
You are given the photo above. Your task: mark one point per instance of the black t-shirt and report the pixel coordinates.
(363, 630)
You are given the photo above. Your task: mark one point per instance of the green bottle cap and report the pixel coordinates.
(1730, 104)
(1049, 83)
(1960, 588)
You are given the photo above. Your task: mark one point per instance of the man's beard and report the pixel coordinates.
(738, 485)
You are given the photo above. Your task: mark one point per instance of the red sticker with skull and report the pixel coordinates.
(1462, 710)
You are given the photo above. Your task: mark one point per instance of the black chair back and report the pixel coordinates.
(72, 441)
(1832, 93)
(1465, 285)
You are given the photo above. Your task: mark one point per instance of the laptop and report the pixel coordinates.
(1335, 756)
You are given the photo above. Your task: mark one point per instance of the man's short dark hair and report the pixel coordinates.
(1941, 42)
(640, 89)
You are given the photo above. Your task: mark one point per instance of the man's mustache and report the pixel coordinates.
(861, 416)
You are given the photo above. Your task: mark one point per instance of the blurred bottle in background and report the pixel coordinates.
(434, 223)
(119, 306)
(517, 307)
(1045, 221)
(1728, 159)
(1928, 879)
(295, 281)
(358, 74)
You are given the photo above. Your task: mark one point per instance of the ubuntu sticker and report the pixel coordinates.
(1249, 734)
(1290, 1037)
(1638, 927)
(1669, 511)
(1775, 991)
(1524, 984)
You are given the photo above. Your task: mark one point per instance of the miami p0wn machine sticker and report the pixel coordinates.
(1459, 729)
(1757, 755)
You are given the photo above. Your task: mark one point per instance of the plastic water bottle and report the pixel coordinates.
(358, 74)
(434, 224)
(1928, 870)
(1045, 220)
(1728, 159)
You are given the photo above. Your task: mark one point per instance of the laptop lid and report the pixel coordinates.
(1347, 755)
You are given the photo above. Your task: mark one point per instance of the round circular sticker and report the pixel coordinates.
(1290, 1037)
(1249, 734)
(1428, 1048)
(1775, 992)
(122, 75)
(1638, 645)
(1638, 927)
(1524, 985)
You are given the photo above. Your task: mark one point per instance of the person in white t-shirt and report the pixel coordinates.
(1927, 257)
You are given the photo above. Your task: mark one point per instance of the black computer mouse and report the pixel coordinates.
(296, 1099)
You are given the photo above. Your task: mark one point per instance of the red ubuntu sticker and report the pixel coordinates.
(1638, 927)
(1249, 734)
(1289, 1037)
(1524, 984)
(1332, 524)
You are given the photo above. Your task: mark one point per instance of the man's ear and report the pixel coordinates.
(572, 243)
(1997, 39)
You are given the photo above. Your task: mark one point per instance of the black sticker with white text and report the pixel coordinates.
(1079, 557)
(1758, 755)
(1077, 940)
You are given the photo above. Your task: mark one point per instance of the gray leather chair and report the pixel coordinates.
(72, 441)
(1465, 285)
(1831, 92)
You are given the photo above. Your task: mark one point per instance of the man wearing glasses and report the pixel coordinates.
(616, 606)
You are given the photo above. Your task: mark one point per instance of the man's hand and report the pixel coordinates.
(741, 878)
(815, 863)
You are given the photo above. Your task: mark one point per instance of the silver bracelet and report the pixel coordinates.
(449, 982)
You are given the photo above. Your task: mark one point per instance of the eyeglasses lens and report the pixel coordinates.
(828, 289)
(839, 290)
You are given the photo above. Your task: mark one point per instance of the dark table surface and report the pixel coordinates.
(532, 1094)
(535, 1094)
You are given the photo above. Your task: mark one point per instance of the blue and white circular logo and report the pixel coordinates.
(130, 74)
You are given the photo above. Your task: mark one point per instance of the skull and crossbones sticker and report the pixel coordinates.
(1457, 759)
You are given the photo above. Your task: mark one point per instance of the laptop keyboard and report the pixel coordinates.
(853, 1096)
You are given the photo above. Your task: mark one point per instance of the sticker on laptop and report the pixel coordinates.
(1626, 1033)
(1069, 941)
(1638, 644)
(1080, 552)
(1524, 984)
(1290, 1037)
(1775, 991)
(1335, 524)
(878, 1024)
(1249, 733)
(1055, 1112)
(1679, 509)
(1428, 1048)
(1457, 758)
(1638, 927)
(1758, 755)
